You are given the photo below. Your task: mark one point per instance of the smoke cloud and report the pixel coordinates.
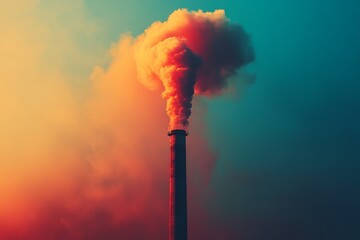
(190, 52)
(78, 159)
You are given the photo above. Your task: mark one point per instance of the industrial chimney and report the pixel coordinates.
(177, 204)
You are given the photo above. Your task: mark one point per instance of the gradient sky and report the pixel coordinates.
(280, 159)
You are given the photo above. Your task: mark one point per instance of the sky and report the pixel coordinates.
(83, 144)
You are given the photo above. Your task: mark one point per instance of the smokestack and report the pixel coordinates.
(175, 56)
(178, 199)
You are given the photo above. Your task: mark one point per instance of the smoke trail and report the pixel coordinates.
(75, 158)
(190, 52)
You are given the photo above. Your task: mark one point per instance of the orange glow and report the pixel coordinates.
(77, 164)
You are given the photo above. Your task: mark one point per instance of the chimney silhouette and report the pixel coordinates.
(177, 188)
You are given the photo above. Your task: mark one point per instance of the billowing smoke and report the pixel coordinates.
(190, 52)
(75, 158)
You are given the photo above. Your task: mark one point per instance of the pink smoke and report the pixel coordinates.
(190, 52)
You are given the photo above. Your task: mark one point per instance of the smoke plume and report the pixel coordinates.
(191, 52)
(75, 158)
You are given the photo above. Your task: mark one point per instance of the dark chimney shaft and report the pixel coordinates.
(178, 205)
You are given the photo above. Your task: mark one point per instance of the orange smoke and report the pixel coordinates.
(87, 159)
(190, 52)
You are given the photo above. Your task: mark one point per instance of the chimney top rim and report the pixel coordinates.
(178, 132)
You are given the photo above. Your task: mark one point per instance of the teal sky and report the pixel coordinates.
(288, 148)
